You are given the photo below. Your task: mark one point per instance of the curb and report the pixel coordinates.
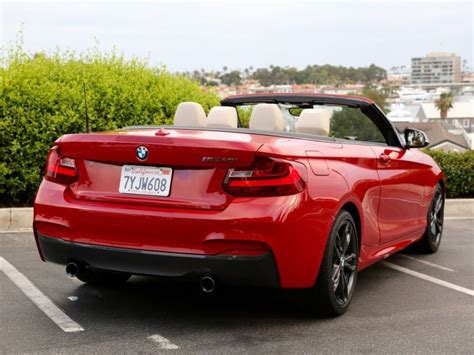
(14, 219)
(21, 219)
(459, 207)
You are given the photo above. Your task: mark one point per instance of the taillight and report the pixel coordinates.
(60, 169)
(268, 177)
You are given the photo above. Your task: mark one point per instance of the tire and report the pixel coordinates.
(431, 239)
(105, 278)
(335, 285)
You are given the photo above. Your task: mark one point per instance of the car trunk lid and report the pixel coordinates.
(199, 159)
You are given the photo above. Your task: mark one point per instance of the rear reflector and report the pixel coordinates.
(268, 177)
(60, 169)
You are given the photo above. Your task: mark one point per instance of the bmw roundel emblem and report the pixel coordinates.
(142, 153)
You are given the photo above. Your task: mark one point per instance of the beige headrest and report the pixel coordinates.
(222, 116)
(314, 121)
(266, 117)
(189, 114)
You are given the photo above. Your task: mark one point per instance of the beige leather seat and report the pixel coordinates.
(222, 116)
(189, 114)
(266, 117)
(314, 121)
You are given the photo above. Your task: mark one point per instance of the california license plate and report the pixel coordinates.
(145, 180)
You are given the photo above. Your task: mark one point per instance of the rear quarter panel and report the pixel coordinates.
(338, 174)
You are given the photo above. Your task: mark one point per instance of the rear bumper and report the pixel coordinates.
(228, 269)
(293, 229)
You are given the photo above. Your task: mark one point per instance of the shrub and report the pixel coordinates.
(459, 171)
(244, 113)
(42, 98)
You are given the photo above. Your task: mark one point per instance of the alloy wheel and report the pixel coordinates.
(436, 217)
(344, 262)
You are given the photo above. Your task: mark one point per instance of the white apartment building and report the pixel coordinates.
(436, 67)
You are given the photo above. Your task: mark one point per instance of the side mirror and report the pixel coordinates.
(415, 138)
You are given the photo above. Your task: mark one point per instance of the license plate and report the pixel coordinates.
(145, 180)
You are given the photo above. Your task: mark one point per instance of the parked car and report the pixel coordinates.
(316, 189)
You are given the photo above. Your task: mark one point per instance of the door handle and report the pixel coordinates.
(384, 159)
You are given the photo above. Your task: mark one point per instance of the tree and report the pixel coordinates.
(444, 103)
(231, 78)
(378, 96)
(375, 73)
(317, 74)
(264, 76)
(352, 122)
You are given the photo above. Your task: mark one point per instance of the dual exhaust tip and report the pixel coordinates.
(207, 282)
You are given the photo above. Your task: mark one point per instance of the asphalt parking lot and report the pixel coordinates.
(427, 309)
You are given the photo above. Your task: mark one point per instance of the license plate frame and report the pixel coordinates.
(142, 180)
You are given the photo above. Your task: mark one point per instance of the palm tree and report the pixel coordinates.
(444, 103)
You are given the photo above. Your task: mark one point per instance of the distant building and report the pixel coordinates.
(468, 78)
(396, 78)
(303, 88)
(400, 116)
(436, 68)
(438, 136)
(460, 116)
(341, 90)
(272, 88)
(399, 112)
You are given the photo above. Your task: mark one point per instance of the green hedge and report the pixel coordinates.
(41, 98)
(459, 171)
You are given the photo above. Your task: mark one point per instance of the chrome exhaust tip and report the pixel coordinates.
(72, 269)
(208, 284)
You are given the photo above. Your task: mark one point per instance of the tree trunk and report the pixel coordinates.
(444, 114)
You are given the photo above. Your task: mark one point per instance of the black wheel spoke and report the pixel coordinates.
(346, 238)
(351, 257)
(336, 272)
(350, 266)
(340, 241)
(438, 204)
(343, 286)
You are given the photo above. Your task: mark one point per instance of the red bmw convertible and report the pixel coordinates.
(316, 188)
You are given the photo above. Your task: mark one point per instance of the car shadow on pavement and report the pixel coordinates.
(147, 301)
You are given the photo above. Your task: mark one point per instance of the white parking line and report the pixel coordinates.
(426, 262)
(429, 278)
(37, 297)
(162, 342)
(21, 230)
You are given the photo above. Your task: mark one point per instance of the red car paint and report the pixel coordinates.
(390, 188)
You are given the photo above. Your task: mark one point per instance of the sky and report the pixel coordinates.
(193, 35)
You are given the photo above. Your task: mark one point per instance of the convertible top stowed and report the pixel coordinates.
(300, 99)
